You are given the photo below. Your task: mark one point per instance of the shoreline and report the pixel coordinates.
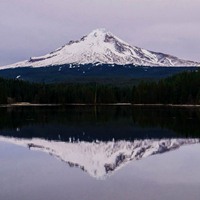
(26, 104)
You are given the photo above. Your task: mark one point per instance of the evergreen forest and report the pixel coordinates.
(183, 88)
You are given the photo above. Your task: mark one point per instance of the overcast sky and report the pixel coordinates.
(36, 27)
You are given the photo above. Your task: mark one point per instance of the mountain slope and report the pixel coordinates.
(102, 47)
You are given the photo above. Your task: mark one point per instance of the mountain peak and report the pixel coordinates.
(98, 31)
(101, 46)
(99, 35)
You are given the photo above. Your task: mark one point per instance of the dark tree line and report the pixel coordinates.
(183, 88)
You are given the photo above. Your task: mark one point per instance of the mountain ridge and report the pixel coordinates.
(102, 47)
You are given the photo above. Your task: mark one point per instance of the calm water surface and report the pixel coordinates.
(99, 153)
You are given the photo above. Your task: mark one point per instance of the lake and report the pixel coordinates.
(99, 152)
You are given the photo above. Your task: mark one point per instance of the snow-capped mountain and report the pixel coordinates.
(101, 159)
(102, 47)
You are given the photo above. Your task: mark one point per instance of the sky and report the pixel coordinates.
(36, 27)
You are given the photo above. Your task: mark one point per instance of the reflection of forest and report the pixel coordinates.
(101, 122)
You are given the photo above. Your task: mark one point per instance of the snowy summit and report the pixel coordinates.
(103, 47)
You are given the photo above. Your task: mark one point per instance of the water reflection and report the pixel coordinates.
(100, 140)
(100, 123)
(101, 159)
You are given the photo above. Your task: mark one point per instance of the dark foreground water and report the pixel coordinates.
(98, 153)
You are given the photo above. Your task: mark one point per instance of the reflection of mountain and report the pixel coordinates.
(100, 159)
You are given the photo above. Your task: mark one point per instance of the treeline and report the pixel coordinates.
(183, 88)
